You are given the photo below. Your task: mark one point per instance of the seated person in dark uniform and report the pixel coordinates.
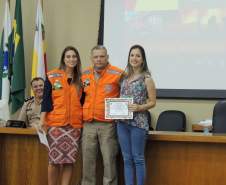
(31, 110)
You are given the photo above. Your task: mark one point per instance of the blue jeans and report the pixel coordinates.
(132, 142)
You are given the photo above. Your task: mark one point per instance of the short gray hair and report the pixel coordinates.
(99, 47)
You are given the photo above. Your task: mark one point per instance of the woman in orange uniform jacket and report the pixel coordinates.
(61, 116)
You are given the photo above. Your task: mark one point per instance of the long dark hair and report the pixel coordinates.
(77, 69)
(144, 67)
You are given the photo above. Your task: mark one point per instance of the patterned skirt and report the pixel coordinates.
(64, 144)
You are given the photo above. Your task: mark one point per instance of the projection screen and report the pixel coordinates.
(184, 40)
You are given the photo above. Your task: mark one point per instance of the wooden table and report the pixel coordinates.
(172, 158)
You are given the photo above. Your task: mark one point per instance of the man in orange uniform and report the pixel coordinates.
(99, 81)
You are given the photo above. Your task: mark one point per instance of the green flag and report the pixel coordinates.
(17, 66)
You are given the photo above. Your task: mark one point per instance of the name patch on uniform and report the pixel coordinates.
(54, 75)
(86, 72)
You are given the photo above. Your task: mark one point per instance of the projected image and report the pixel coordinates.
(185, 39)
(156, 15)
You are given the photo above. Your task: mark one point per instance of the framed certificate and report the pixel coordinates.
(117, 108)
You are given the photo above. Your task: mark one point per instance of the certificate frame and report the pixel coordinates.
(121, 108)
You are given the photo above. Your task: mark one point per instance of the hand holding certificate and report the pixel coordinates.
(117, 108)
(42, 136)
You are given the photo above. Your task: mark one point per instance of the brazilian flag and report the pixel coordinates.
(18, 83)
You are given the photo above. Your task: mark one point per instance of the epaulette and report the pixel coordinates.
(29, 98)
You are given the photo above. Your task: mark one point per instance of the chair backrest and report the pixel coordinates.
(171, 120)
(219, 117)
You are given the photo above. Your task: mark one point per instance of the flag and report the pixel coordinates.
(39, 67)
(18, 69)
(4, 63)
(1, 64)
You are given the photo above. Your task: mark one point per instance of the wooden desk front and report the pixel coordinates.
(24, 160)
(186, 158)
(181, 158)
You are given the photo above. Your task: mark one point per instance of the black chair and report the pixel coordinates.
(171, 120)
(219, 117)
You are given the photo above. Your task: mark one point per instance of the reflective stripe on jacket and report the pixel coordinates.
(67, 108)
(107, 86)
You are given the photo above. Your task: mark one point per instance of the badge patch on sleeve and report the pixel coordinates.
(57, 85)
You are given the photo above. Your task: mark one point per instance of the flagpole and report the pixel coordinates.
(42, 4)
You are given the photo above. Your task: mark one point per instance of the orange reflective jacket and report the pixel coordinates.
(107, 86)
(67, 108)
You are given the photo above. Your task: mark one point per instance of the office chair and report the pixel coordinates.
(219, 117)
(171, 120)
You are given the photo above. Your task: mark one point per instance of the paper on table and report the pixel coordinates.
(42, 137)
(207, 122)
